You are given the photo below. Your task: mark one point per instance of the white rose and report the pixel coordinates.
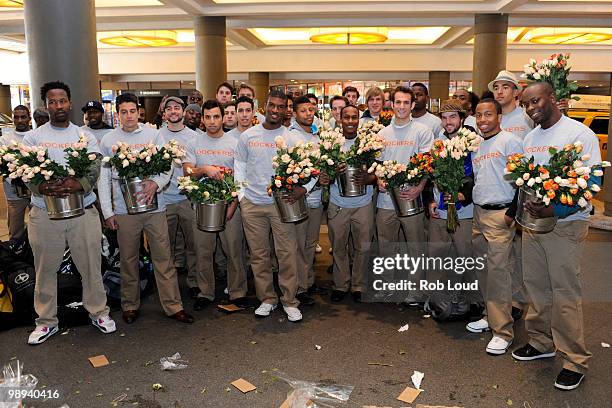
(598, 173)
(92, 156)
(596, 188)
(536, 76)
(125, 163)
(582, 183)
(531, 182)
(538, 180)
(330, 162)
(526, 176)
(519, 182)
(557, 179)
(582, 202)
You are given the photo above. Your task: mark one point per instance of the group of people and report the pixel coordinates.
(528, 274)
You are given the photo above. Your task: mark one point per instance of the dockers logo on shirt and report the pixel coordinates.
(394, 143)
(516, 129)
(265, 145)
(487, 156)
(55, 145)
(539, 149)
(202, 152)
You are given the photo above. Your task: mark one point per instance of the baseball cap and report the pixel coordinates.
(92, 105)
(174, 99)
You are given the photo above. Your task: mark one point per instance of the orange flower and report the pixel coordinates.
(570, 200)
(551, 194)
(548, 184)
(531, 166)
(573, 191)
(572, 174)
(511, 166)
(572, 180)
(563, 199)
(587, 195)
(542, 170)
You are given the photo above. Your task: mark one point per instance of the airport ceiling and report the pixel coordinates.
(324, 24)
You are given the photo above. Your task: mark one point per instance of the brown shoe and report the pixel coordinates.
(129, 316)
(183, 317)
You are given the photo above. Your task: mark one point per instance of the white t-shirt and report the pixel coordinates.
(565, 131)
(172, 195)
(98, 133)
(402, 142)
(517, 122)
(431, 121)
(212, 151)
(488, 163)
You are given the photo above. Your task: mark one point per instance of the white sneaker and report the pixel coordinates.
(264, 310)
(293, 313)
(318, 249)
(498, 346)
(41, 334)
(105, 323)
(478, 326)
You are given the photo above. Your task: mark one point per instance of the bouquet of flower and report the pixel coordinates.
(367, 147)
(33, 165)
(209, 190)
(564, 180)
(331, 143)
(385, 116)
(8, 154)
(292, 165)
(555, 71)
(449, 170)
(149, 161)
(394, 174)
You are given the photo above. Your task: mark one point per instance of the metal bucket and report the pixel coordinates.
(290, 212)
(21, 190)
(406, 208)
(525, 220)
(129, 188)
(346, 186)
(211, 217)
(59, 208)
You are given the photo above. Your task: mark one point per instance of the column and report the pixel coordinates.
(439, 82)
(607, 185)
(5, 100)
(260, 81)
(61, 40)
(490, 43)
(211, 54)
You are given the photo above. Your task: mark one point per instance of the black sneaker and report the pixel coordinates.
(517, 313)
(201, 303)
(356, 296)
(330, 269)
(528, 353)
(337, 295)
(242, 302)
(568, 380)
(193, 292)
(317, 290)
(305, 299)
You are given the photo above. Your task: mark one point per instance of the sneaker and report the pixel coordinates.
(568, 380)
(528, 353)
(41, 334)
(305, 299)
(105, 324)
(293, 313)
(318, 249)
(264, 310)
(498, 346)
(479, 326)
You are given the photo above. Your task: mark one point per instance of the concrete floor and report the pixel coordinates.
(221, 348)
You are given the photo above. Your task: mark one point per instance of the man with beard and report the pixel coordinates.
(420, 113)
(336, 104)
(308, 229)
(179, 213)
(131, 226)
(253, 166)
(206, 154)
(16, 206)
(94, 113)
(491, 236)
(374, 100)
(229, 117)
(83, 234)
(551, 261)
(349, 216)
(403, 138)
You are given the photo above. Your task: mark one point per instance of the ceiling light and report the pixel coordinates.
(161, 38)
(11, 3)
(571, 38)
(349, 35)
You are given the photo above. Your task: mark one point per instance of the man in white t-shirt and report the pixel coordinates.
(551, 261)
(336, 103)
(420, 113)
(506, 89)
(491, 236)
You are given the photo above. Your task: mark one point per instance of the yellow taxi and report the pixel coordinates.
(598, 121)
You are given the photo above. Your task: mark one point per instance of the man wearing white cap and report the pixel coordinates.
(506, 89)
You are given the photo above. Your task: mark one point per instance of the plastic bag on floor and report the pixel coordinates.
(14, 385)
(307, 394)
(172, 363)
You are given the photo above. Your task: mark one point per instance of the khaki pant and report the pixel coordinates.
(231, 243)
(413, 242)
(493, 239)
(48, 239)
(551, 268)
(519, 297)
(257, 221)
(16, 211)
(341, 223)
(181, 214)
(308, 234)
(155, 228)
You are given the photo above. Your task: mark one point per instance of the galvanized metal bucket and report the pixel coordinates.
(59, 208)
(525, 220)
(129, 188)
(346, 186)
(406, 208)
(211, 217)
(21, 190)
(295, 212)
